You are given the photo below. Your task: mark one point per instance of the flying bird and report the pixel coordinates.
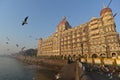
(17, 45)
(30, 36)
(7, 38)
(23, 48)
(6, 42)
(25, 21)
(36, 38)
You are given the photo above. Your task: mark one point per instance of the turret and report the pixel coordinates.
(107, 19)
(39, 47)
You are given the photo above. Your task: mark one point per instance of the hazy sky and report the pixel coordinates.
(44, 16)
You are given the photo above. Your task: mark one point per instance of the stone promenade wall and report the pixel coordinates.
(36, 60)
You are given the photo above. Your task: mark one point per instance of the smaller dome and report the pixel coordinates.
(104, 10)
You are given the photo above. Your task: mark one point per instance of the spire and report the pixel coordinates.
(104, 6)
(64, 18)
(109, 3)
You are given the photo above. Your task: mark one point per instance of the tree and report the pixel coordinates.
(30, 52)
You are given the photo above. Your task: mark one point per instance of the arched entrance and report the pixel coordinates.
(94, 55)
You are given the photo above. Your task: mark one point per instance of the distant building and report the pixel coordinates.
(95, 38)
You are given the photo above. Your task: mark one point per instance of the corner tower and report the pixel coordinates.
(39, 53)
(62, 26)
(108, 19)
(110, 36)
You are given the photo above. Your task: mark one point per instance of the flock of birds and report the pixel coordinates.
(17, 45)
(105, 70)
(8, 41)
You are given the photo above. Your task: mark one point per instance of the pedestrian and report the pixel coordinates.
(70, 60)
(57, 76)
(119, 74)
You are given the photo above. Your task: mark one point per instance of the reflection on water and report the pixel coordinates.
(12, 69)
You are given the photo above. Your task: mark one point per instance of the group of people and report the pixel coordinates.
(107, 70)
(70, 60)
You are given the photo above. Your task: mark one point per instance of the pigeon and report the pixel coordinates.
(25, 21)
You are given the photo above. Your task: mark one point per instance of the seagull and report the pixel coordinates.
(6, 42)
(30, 36)
(36, 39)
(17, 45)
(25, 21)
(23, 48)
(7, 38)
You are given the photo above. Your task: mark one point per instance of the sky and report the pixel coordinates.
(44, 16)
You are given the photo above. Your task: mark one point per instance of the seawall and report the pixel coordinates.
(51, 63)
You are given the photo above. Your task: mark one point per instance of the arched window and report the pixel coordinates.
(114, 55)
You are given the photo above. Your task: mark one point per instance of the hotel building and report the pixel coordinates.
(96, 38)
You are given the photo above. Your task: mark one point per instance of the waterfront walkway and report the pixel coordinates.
(70, 72)
(73, 71)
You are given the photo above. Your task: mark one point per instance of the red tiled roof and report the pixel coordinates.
(63, 22)
(104, 10)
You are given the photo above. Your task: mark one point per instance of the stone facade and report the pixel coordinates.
(95, 38)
